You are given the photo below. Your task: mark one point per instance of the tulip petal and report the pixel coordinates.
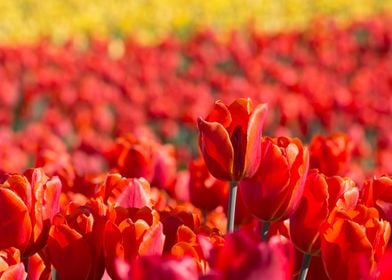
(240, 110)
(253, 147)
(217, 149)
(15, 223)
(136, 194)
(153, 241)
(220, 113)
(15, 272)
(69, 252)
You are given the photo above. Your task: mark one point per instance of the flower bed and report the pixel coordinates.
(101, 172)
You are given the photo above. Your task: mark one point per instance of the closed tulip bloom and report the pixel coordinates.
(274, 192)
(230, 139)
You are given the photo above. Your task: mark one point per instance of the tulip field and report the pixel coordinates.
(202, 154)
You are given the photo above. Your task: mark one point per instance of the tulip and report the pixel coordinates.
(321, 195)
(206, 192)
(159, 268)
(129, 235)
(31, 201)
(125, 192)
(377, 193)
(250, 259)
(133, 157)
(230, 139)
(352, 240)
(75, 243)
(331, 154)
(274, 192)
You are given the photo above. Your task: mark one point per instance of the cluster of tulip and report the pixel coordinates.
(100, 175)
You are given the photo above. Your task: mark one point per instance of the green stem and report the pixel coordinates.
(231, 207)
(265, 225)
(305, 266)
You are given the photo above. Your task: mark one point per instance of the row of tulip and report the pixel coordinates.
(100, 174)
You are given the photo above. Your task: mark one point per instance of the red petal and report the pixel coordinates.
(217, 149)
(253, 144)
(15, 272)
(220, 113)
(153, 241)
(69, 253)
(15, 223)
(136, 194)
(240, 110)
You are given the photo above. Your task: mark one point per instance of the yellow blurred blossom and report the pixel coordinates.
(148, 20)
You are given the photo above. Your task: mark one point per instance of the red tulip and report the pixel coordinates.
(377, 193)
(230, 139)
(321, 195)
(173, 218)
(129, 234)
(75, 243)
(133, 157)
(352, 241)
(36, 195)
(188, 245)
(127, 193)
(274, 192)
(206, 192)
(69, 252)
(242, 257)
(331, 154)
(158, 268)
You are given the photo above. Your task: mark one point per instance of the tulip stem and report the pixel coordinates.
(231, 207)
(305, 266)
(264, 229)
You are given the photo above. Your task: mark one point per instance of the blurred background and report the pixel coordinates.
(77, 76)
(149, 20)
